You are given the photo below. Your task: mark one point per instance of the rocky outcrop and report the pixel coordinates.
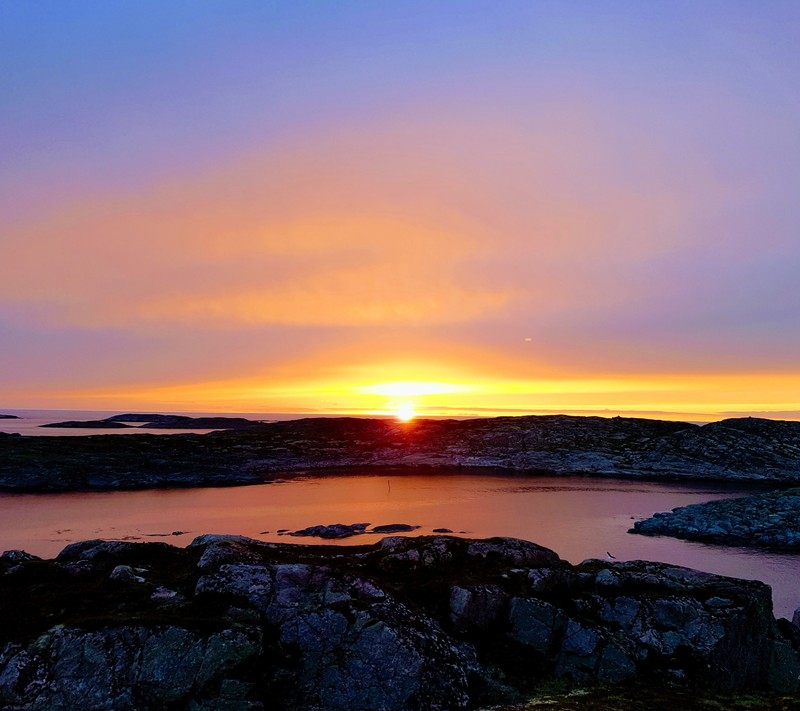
(738, 449)
(408, 623)
(770, 520)
(8, 417)
(347, 530)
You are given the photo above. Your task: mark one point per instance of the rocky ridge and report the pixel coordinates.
(770, 520)
(408, 623)
(745, 449)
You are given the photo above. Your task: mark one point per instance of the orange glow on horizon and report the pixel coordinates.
(695, 397)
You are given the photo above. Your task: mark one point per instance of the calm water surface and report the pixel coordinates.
(579, 518)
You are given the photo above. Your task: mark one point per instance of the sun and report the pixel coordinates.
(405, 412)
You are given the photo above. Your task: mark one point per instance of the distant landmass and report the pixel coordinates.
(160, 422)
(743, 449)
(8, 417)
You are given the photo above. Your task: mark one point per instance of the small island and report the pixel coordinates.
(770, 520)
(162, 422)
(9, 417)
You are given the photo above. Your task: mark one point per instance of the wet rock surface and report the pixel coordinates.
(737, 449)
(770, 520)
(407, 623)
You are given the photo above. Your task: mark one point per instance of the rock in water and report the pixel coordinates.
(334, 530)
(393, 528)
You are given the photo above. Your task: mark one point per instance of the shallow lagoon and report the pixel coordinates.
(577, 517)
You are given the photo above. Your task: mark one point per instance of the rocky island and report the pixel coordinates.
(407, 623)
(8, 417)
(160, 422)
(744, 449)
(770, 520)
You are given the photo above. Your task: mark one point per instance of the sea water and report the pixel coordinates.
(578, 517)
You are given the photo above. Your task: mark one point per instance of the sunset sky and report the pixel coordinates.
(462, 208)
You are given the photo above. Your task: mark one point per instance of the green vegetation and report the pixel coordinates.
(564, 696)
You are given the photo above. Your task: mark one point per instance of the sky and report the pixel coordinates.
(448, 208)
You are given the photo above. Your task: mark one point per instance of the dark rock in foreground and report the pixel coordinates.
(770, 520)
(408, 623)
(740, 450)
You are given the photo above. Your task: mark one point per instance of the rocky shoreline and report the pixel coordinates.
(433, 622)
(770, 520)
(741, 450)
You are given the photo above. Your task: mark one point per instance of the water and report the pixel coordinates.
(579, 518)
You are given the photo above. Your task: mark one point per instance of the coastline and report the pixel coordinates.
(740, 450)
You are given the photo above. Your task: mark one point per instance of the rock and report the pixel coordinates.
(512, 551)
(334, 530)
(345, 530)
(476, 608)
(253, 583)
(442, 530)
(220, 549)
(15, 556)
(125, 574)
(770, 520)
(165, 596)
(430, 622)
(89, 550)
(536, 624)
(393, 528)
